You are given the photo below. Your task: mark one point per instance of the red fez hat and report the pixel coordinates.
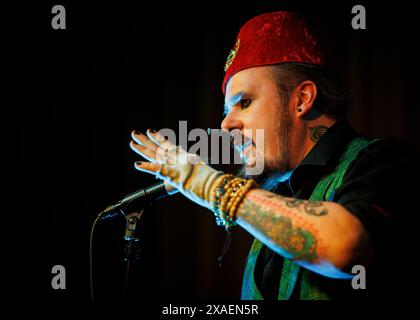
(272, 38)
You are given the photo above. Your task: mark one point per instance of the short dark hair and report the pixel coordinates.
(332, 99)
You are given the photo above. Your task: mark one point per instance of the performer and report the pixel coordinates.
(329, 199)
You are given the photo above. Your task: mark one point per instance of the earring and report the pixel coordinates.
(300, 109)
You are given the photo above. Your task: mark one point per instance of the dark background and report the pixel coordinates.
(120, 67)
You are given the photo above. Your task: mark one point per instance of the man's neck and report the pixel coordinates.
(313, 132)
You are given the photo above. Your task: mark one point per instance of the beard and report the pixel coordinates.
(275, 165)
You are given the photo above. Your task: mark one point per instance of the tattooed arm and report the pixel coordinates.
(320, 236)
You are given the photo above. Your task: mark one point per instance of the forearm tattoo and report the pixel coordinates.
(313, 208)
(279, 223)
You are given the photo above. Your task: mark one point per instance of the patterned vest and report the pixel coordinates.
(312, 285)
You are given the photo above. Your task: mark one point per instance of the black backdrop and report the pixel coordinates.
(120, 67)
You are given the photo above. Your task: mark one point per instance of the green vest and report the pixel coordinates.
(312, 285)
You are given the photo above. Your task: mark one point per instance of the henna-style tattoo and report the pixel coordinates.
(313, 208)
(317, 132)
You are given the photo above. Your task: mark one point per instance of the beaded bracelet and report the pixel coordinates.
(227, 196)
(239, 197)
(217, 195)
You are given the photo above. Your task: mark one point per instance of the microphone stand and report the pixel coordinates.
(132, 247)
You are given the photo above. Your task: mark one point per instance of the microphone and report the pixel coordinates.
(140, 197)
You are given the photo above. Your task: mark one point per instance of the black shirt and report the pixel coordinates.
(376, 189)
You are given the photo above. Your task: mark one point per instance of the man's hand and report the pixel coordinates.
(184, 171)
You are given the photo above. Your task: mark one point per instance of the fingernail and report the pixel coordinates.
(139, 162)
(137, 132)
(153, 130)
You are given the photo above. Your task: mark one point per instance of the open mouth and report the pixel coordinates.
(243, 145)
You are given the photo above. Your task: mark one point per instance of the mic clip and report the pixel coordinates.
(132, 220)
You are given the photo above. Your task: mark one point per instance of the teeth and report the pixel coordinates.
(241, 149)
(238, 140)
(245, 145)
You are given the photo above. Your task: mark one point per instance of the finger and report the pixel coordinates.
(144, 140)
(159, 139)
(148, 167)
(166, 149)
(135, 136)
(145, 152)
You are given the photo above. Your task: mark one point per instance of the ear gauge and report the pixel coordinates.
(300, 109)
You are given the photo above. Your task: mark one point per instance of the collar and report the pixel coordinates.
(323, 155)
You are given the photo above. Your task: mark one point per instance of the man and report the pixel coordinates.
(326, 201)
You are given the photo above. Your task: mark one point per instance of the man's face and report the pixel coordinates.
(252, 102)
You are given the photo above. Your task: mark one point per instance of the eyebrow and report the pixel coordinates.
(233, 100)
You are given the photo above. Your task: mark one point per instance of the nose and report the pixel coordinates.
(231, 121)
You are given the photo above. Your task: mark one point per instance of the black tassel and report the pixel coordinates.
(226, 246)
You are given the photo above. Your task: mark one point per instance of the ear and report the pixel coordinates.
(306, 93)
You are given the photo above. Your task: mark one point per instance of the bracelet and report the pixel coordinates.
(217, 195)
(239, 197)
(227, 196)
(218, 189)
